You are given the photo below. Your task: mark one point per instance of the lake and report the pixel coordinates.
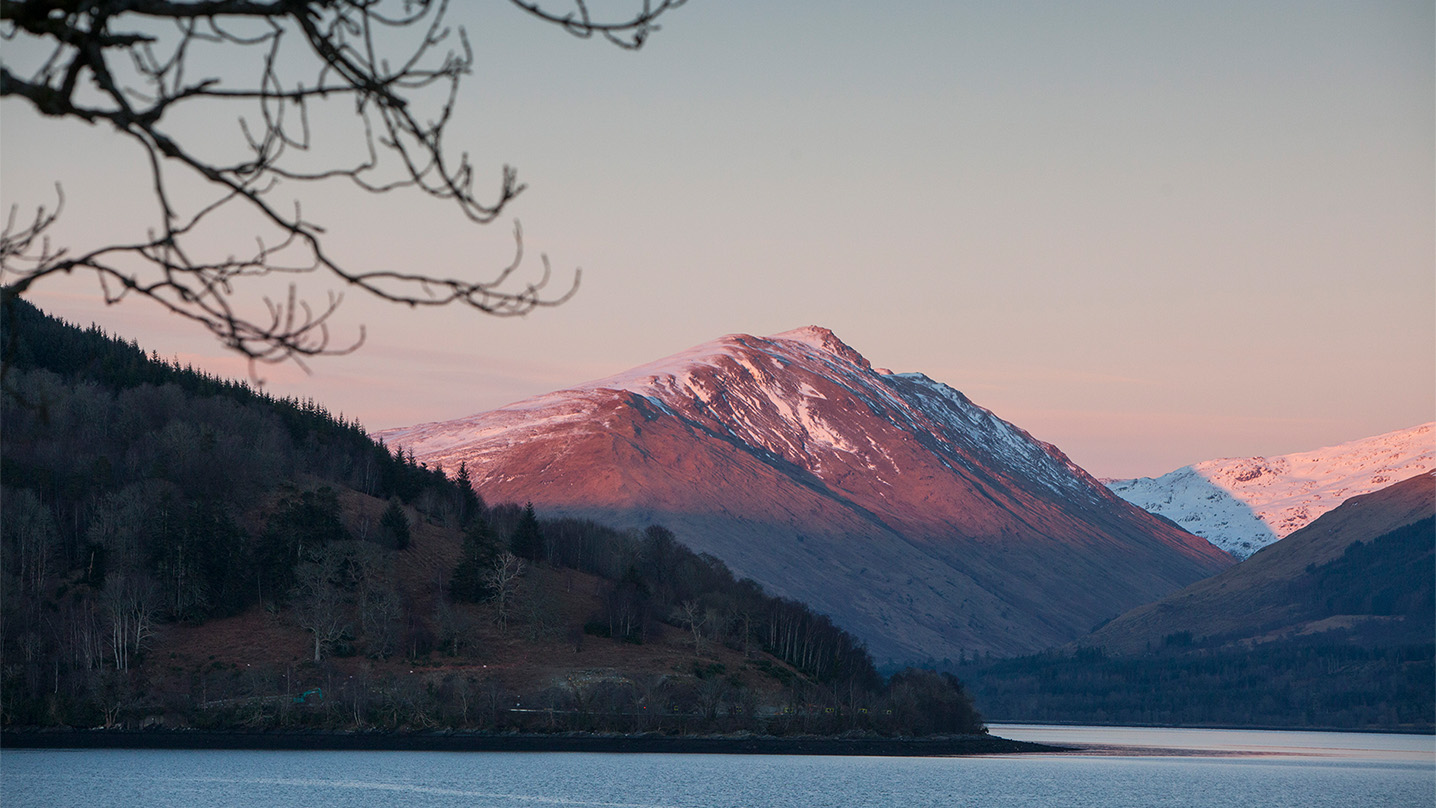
(1119, 767)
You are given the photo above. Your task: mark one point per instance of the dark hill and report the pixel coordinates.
(1330, 627)
(1363, 571)
(187, 551)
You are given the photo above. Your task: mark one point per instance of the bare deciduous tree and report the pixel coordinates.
(130, 602)
(319, 600)
(503, 581)
(696, 619)
(379, 605)
(711, 694)
(30, 530)
(146, 67)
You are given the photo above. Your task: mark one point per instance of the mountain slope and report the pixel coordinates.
(918, 520)
(1328, 576)
(1243, 504)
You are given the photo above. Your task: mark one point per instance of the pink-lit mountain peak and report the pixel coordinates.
(803, 395)
(890, 501)
(762, 359)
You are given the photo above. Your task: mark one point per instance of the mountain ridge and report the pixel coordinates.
(890, 501)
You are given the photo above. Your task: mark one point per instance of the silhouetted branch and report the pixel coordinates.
(130, 64)
(578, 20)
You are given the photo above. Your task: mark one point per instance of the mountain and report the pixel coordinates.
(1242, 504)
(918, 520)
(1364, 568)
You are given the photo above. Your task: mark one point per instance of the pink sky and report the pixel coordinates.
(1151, 235)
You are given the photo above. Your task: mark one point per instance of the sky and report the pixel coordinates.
(1149, 233)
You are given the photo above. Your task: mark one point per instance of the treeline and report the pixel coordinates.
(645, 589)
(1392, 575)
(137, 492)
(132, 414)
(1311, 684)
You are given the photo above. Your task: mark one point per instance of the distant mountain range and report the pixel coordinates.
(1244, 504)
(918, 520)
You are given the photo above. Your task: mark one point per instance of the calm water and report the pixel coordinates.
(1194, 768)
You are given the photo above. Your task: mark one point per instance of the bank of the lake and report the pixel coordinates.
(652, 743)
(1243, 742)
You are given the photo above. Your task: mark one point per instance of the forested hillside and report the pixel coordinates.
(185, 550)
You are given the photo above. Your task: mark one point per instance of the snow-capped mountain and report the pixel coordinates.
(1242, 504)
(920, 521)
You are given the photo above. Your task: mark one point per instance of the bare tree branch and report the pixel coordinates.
(127, 64)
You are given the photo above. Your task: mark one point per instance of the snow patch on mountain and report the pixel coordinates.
(995, 441)
(1243, 504)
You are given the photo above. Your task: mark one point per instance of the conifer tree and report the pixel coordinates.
(395, 526)
(527, 539)
(469, 583)
(470, 505)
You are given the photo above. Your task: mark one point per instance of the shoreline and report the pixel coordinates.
(1244, 727)
(516, 742)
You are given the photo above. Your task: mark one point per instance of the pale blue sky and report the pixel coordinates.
(1150, 233)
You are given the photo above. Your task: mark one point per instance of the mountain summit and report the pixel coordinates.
(922, 522)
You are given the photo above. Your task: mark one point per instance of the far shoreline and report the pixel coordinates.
(1243, 727)
(455, 741)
